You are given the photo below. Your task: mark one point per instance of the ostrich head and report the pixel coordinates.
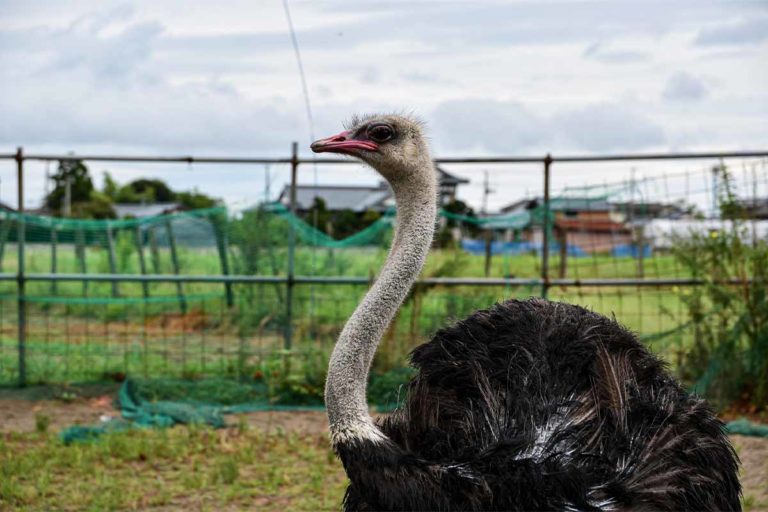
(394, 145)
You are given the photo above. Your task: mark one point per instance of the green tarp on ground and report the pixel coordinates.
(146, 404)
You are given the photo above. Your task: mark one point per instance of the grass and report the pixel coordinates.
(187, 468)
(75, 337)
(86, 343)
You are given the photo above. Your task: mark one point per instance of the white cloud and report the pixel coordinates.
(607, 127)
(742, 32)
(609, 54)
(195, 77)
(492, 126)
(683, 86)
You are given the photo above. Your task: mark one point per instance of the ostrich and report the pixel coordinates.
(527, 405)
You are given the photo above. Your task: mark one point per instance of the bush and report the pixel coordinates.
(729, 358)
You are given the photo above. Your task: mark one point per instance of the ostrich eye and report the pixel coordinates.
(380, 132)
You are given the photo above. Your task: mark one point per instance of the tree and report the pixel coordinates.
(85, 200)
(156, 191)
(458, 207)
(98, 207)
(76, 173)
(159, 191)
(111, 187)
(195, 200)
(319, 216)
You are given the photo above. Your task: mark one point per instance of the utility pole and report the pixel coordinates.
(267, 184)
(488, 231)
(47, 177)
(68, 196)
(486, 191)
(716, 192)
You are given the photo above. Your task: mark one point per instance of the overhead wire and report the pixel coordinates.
(311, 123)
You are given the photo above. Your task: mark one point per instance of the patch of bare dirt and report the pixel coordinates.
(304, 422)
(20, 415)
(753, 452)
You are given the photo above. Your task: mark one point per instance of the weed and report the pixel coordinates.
(42, 422)
(227, 471)
(728, 360)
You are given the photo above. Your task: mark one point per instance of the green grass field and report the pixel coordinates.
(176, 469)
(191, 468)
(78, 333)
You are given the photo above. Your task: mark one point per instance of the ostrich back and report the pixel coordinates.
(537, 405)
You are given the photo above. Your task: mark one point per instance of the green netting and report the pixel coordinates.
(127, 301)
(68, 224)
(313, 236)
(310, 235)
(162, 403)
(165, 403)
(88, 231)
(744, 427)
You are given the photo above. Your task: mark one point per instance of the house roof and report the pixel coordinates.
(447, 178)
(341, 197)
(354, 197)
(651, 209)
(139, 211)
(558, 204)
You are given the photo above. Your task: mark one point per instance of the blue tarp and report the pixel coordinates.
(630, 251)
(513, 248)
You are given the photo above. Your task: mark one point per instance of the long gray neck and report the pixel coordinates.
(345, 389)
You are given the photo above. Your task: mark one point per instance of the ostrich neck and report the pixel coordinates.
(345, 392)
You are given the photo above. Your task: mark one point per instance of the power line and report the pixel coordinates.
(302, 76)
(310, 120)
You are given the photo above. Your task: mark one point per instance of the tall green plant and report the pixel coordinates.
(729, 311)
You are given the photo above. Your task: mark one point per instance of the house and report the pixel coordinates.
(448, 185)
(361, 198)
(591, 225)
(356, 198)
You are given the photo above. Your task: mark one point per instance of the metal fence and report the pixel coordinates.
(291, 295)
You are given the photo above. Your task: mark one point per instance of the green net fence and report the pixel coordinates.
(606, 243)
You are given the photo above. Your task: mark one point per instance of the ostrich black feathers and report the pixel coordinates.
(537, 405)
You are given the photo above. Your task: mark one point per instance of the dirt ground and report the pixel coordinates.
(22, 414)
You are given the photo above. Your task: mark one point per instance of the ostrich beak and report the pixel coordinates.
(341, 143)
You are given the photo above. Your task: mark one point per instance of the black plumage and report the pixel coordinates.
(538, 405)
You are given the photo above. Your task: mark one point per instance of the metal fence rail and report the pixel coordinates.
(544, 282)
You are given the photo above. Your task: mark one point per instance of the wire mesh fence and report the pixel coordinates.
(209, 293)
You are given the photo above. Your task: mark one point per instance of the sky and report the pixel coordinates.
(190, 77)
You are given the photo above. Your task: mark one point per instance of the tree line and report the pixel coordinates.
(88, 202)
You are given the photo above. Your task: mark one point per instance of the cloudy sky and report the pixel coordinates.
(490, 78)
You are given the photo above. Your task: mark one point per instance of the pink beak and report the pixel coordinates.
(341, 143)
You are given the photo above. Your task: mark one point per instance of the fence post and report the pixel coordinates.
(112, 259)
(220, 226)
(176, 266)
(142, 262)
(291, 250)
(54, 257)
(546, 229)
(81, 240)
(20, 282)
(5, 232)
